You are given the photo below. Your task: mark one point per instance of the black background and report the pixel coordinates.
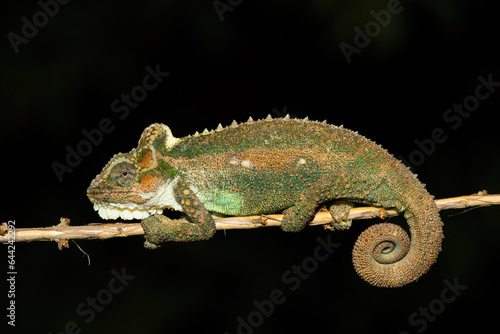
(262, 58)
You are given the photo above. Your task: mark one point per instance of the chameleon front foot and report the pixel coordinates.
(156, 230)
(159, 229)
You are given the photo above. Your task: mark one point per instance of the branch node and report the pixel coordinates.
(383, 214)
(62, 243)
(63, 221)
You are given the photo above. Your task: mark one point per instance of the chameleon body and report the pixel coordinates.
(271, 165)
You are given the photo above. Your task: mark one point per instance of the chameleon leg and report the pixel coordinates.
(296, 217)
(202, 225)
(340, 211)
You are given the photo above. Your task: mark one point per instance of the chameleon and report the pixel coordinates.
(270, 165)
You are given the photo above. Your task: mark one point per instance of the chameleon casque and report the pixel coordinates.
(267, 166)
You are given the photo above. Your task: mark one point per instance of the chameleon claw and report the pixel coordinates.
(263, 219)
(150, 245)
(330, 227)
(383, 213)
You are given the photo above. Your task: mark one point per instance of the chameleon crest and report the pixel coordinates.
(272, 165)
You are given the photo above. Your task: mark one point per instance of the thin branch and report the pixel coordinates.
(62, 232)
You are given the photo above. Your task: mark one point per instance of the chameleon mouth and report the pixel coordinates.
(125, 211)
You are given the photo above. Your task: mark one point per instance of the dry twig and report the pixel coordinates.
(63, 231)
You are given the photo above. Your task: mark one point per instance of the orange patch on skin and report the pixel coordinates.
(147, 160)
(147, 182)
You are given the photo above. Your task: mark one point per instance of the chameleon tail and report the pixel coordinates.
(383, 254)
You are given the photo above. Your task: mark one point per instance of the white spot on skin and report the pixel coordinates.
(302, 161)
(246, 164)
(233, 161)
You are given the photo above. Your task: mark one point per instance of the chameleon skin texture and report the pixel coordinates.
(272, 165)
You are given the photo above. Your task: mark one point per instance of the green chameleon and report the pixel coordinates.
(271, 165)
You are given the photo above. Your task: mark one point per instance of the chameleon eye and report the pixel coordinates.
(123, 174)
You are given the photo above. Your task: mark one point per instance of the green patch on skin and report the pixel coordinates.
(165, 167)
(159, 144)
(231, 201)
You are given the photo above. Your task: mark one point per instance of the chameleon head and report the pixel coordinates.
(133, 185)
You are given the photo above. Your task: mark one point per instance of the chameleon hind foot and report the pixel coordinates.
(296, 217)
(340, 212)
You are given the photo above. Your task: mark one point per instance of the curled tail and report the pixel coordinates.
(383, 254)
